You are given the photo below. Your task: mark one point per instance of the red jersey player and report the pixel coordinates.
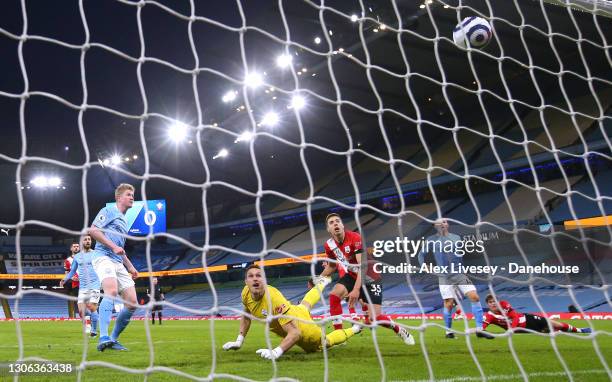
(522, 322)
(74, 249)
(346, 248)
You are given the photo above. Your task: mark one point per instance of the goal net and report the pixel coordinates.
(253, 120)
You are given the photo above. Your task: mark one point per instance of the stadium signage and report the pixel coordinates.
(35, 263)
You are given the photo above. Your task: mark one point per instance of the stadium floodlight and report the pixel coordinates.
(284, 60)
(270, 119)
(40, 181)
(253, 80)
(354, 18)
(221, 154)
(115, 159)
(297, 102)
(134, 156)
(244, 137)
(229, 96)
(106, 162)
(177, 132)
(317, 40)
(54, 181)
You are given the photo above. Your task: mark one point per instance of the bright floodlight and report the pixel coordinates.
(253, 80)
(298, 102)
(229, 96)
(284, 60)
(177, 132)
(106, 162)
(317, 40)
(115, 159)
(54, 181)
(40, 181)
(221, 154)
(354, 18)
(270, 119)
(244, 137)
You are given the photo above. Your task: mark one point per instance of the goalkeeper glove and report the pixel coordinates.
(234, 345)
(270, 354)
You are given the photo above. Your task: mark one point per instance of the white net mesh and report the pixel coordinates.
(396, 97)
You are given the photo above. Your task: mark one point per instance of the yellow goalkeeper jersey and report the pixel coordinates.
(278, 305)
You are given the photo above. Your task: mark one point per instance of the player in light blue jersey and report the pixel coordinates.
(114, 269)
(89, 285)
(443, 245)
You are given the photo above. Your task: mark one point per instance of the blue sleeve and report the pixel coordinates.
(103, 218)
(73, 269)
(421, 255)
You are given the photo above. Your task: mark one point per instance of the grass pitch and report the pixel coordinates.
(187, 346)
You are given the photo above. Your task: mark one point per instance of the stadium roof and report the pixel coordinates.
(173, 54)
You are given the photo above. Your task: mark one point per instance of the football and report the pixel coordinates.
(472, 31)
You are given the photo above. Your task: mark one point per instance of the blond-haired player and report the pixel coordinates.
(112, 266)
(296, 326)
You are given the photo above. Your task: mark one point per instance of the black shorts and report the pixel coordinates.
(157, 308)
(536, 323)
(374, 289)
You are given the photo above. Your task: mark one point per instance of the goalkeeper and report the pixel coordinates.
(260, 300)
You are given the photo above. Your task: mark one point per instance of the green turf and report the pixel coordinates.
(186, 346)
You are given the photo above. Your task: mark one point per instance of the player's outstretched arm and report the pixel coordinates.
(293, 336)
(245, 324)
(129, 266)
(330, 268)
(69, 275)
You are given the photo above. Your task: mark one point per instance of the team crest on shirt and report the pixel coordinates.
(347, 249)
(264, 312)
(101, 218)
(279, 309)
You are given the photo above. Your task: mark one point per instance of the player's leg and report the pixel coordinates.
(448, 295)
(93, 313)
(159, 315)
(314, 294)
(339, 292)
(153, 317)
(374, 297)
(565, 327)
(81, 308)
(128, 294)
(470, 292)
(109, 285)
(338, 336)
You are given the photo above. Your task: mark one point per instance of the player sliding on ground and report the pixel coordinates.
(346, 248)
(112, 266)
(503, 315)
(296, 327)
(89, 285)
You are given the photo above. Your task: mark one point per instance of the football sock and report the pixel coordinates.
(159, 316)
(312, 296)
(390, 325)
(568, 328)
(123, 319)
(94, 321)
(338, 336)
(335, 309)
(448, 318)
(364, 309)
(106, 310)
(478, 313)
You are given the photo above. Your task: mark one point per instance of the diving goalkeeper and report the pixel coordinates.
(260, 300)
